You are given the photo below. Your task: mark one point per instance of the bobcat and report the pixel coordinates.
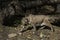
(38, 20)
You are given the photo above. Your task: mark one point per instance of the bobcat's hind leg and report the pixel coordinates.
(48, 24)
(52, 28)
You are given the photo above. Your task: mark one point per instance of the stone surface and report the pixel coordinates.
(12, 35)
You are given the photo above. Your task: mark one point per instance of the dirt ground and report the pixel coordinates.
(13, 33)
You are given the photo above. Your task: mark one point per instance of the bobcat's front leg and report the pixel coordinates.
(34, 29)
(24, 28)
